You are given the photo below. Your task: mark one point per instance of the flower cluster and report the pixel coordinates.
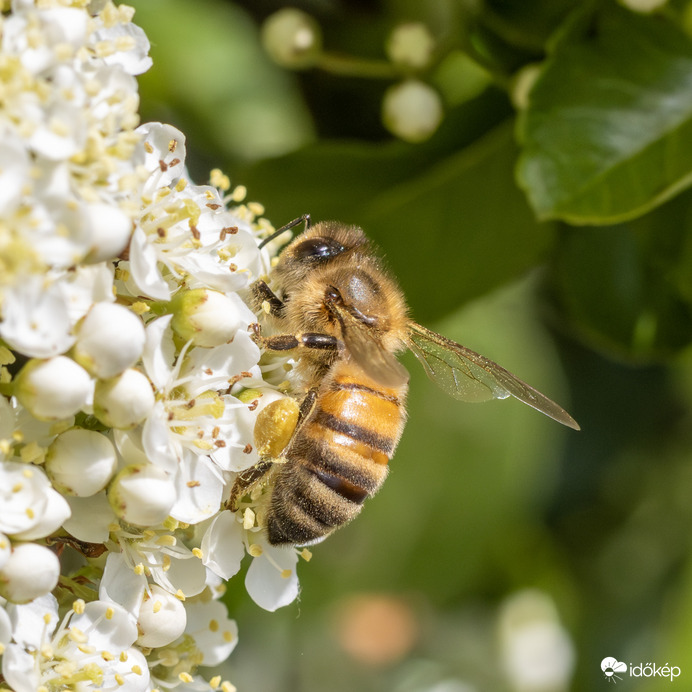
(129, 384)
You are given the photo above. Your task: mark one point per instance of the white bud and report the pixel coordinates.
(412, 110)
(207, 318)
(411, 45)
(292, 38)
(123, 401)
(110, 339)
(162, 618)
(142, 494)
(53, 389)
(110, 230)
(31, 571)
(80, 462)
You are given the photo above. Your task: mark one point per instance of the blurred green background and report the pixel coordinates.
(545, 221)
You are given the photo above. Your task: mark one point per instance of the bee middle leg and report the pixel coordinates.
(289, 342)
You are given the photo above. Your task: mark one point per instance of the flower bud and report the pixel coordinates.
(31, 571)
(53, 389)
(411, 45)
(292, 39)
(142, 494)
(110, 339)
(207, 318)
(412, 110)
(162, 618)
(124, 401)
(80, 462)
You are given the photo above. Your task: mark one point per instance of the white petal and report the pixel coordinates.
(121, 585)
(55, 514)
(200, 488)
(133, 61)
(222, 545)
(19, 670)
(144, 267)
(264, 581)
(35, 319)
(159, 351)
(109, 625)
(31, 620)
(217, 642)
(91, 518)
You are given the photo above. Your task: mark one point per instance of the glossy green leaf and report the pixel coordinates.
(608, 131)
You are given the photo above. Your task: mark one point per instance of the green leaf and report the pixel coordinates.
(608, 131)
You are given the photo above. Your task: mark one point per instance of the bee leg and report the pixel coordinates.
(266, 299)
(254, 474)
(289, 342)
(245, 481)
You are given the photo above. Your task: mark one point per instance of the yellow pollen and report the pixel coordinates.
(140, 307)
(166, 540)
(214, 625)
(215, 681)
(30, 513)
(46, 618)
(185, 677)
(166, 563)
(109, 613)
(123, 656)
(306, 554)
(28, 473)
(157, 606)
(226, 686)
(137, 670)
(86, 649)
(139, 569)
(256, 208)
(78, 606)
(119, 679)
(107, 656)
(18, 487)
(248, 519)
(76, 635)
(197, 552)
(255, 550)
(180, 595)
(286, 573)
(227, 636)
(238, 195)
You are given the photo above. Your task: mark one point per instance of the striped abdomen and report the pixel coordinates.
(338, 458)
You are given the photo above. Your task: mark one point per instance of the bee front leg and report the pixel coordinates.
(267, 299)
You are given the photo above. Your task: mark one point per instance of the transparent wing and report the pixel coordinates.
(466, 375)
(377, 363)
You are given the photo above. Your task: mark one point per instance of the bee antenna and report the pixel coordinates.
(304, 218)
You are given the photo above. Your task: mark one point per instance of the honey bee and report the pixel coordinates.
(343, 315)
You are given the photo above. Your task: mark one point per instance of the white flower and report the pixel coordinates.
(123, 401)
(215, 634)
(31, 508)
(142, 494)
(92, 646)
(162, 618)
(30, 571)
(53, 389)
(110, 339)
(81, 462)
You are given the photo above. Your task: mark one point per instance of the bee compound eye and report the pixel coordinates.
(318, 249)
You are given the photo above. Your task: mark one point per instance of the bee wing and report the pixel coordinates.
(466, 375)
(375, 361)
